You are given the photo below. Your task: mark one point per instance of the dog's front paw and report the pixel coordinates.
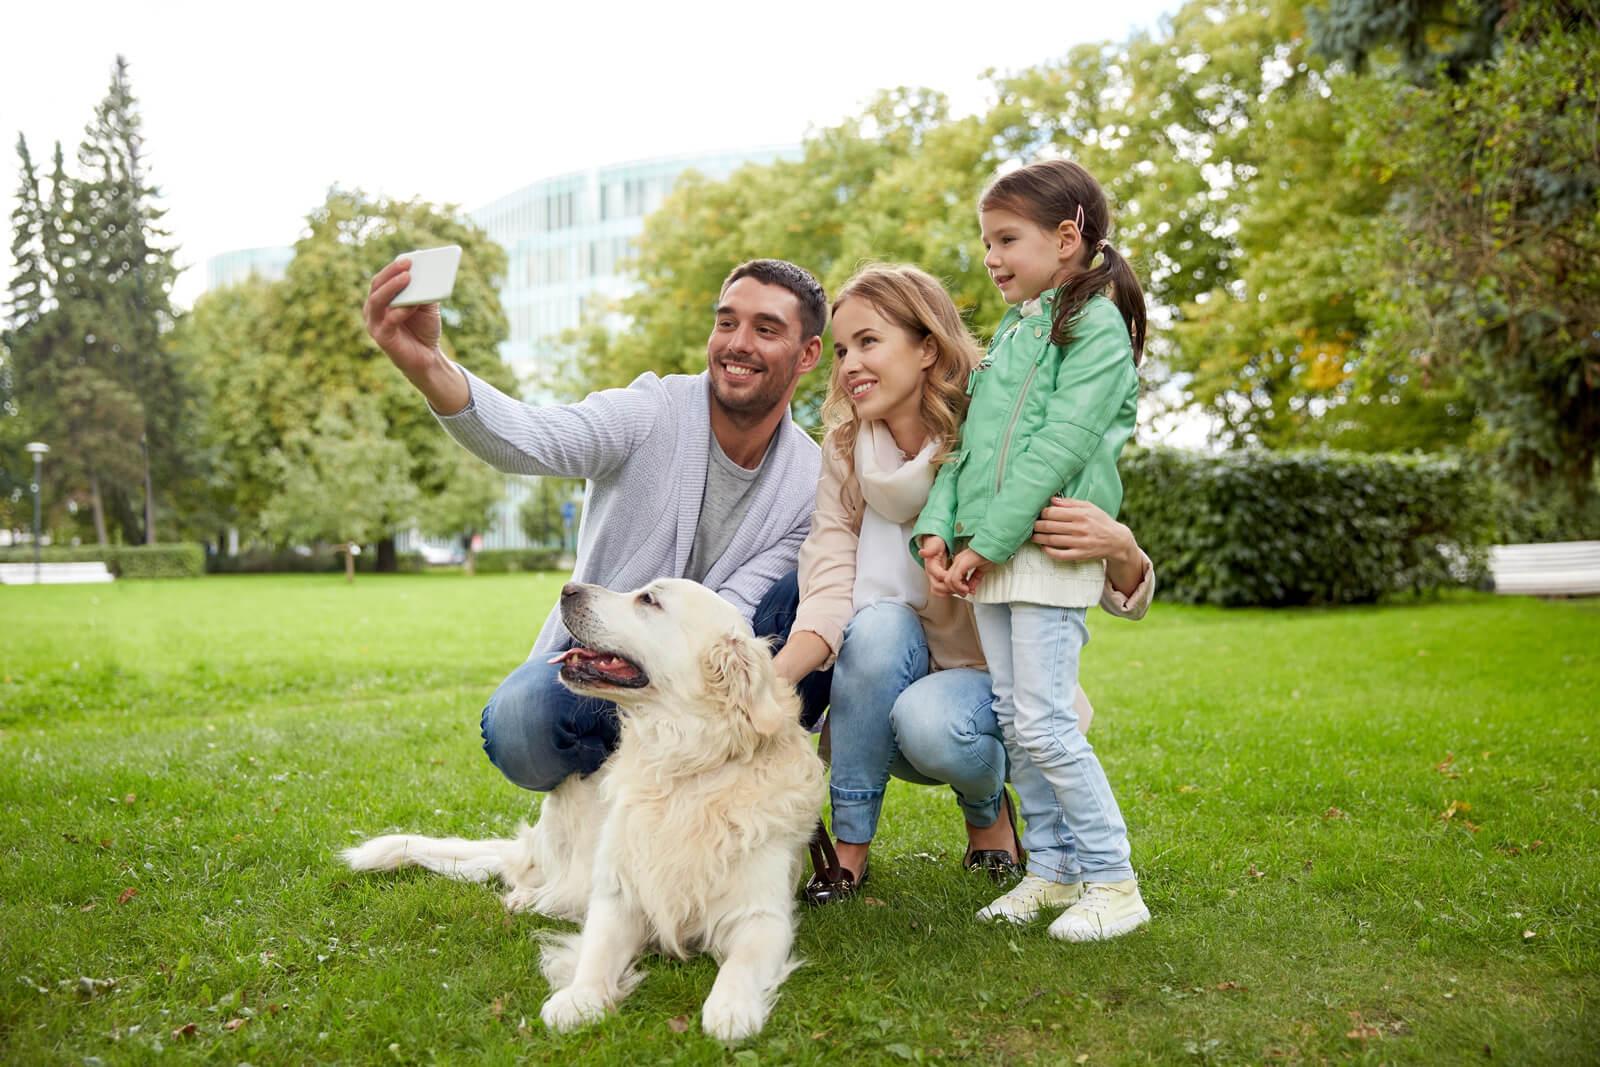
(732, 1019)
(568, 1009)
(521, 899)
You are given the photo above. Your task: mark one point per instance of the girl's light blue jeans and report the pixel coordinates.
(890, 716)
(1033, 654)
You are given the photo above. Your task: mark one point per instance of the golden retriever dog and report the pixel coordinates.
(707, 803)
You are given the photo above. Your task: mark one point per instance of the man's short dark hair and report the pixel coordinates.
(798, 280)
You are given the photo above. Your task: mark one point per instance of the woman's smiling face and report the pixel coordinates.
(880, 364)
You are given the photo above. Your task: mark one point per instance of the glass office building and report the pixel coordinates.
(240, 265)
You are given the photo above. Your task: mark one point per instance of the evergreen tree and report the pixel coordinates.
(29, 288)
(125, 275)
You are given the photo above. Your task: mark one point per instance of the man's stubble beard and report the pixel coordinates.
(753, 408)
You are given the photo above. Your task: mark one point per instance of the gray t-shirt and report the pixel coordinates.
(727, 497)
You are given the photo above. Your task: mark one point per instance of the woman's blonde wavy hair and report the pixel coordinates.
(913, 300)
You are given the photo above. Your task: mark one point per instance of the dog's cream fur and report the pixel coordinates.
(707, 805)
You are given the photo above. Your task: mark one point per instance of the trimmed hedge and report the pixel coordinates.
(516, 560)
(322, 561)
(1292, 528)
(125, 561)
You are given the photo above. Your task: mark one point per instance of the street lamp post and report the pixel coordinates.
(37, 449)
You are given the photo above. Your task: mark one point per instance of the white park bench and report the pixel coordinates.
(1566, 568)
(54, 573)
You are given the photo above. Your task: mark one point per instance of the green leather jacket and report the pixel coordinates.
(1044, 421)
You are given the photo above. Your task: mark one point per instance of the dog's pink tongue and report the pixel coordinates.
(563, 657)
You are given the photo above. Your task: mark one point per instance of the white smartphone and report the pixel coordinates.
(433, 275)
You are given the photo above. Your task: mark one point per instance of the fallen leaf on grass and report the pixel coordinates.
(1188, 789)
(678, 1024)
(1470, 826)
(127, 895)
(497, 1007)
(1082, 1057)
(233, 1024)
(130, 798)
(89, 906)
(1334, 813)
(1364, 1033)
(93, 987)
(1528, 935)
(1231, 985)
(1444, 766)
(1255, 872)
(1455, 808)
(873, 901)
(107, 842)
(186, 1030)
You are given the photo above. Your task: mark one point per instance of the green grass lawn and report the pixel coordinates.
(1365, 834)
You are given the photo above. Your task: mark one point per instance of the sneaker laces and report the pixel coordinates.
(1031, 888)
(1097, 897)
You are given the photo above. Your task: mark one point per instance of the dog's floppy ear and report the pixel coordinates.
(738, 672)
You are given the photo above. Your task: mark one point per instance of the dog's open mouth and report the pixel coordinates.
(606, 668)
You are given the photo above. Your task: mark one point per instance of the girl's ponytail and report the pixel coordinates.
(1048, 192)
(1115, 273)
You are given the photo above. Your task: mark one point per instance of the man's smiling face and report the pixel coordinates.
(755, 349)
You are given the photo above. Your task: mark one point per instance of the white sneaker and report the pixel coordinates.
(1105, 910)
(1028, 897)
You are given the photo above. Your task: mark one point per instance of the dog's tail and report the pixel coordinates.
(454, 857)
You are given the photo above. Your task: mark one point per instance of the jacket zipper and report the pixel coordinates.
(1016, 413)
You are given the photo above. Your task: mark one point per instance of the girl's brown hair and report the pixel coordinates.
(914, 301)
(1054, 191)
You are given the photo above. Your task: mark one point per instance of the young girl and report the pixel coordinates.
(1052, 405)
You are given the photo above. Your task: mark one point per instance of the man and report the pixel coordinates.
(690, 476)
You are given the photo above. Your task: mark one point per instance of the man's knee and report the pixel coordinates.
(775, 613)
(537, 732)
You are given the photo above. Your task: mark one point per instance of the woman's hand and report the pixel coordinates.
(1078, 530)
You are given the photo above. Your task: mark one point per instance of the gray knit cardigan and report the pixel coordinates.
(644, 451)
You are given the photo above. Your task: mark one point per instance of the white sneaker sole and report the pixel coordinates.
(987, 916)
(1077, 933)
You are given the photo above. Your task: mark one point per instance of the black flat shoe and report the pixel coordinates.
(829, 882)
(1000, 864)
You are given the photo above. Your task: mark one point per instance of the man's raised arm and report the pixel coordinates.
(583, 440)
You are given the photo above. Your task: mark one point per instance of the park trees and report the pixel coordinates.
(269, 358)
(342, 479)
(1488, 260)
(86, 309)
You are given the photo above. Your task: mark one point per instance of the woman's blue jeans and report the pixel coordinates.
(890, 716)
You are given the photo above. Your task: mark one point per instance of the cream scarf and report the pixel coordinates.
(895, 489)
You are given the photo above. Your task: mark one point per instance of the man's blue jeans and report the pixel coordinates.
(538, 732)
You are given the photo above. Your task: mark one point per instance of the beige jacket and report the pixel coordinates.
(828, 573)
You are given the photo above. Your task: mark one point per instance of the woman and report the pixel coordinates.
(910, 696)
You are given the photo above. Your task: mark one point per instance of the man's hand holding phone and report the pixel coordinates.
(409, 336)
